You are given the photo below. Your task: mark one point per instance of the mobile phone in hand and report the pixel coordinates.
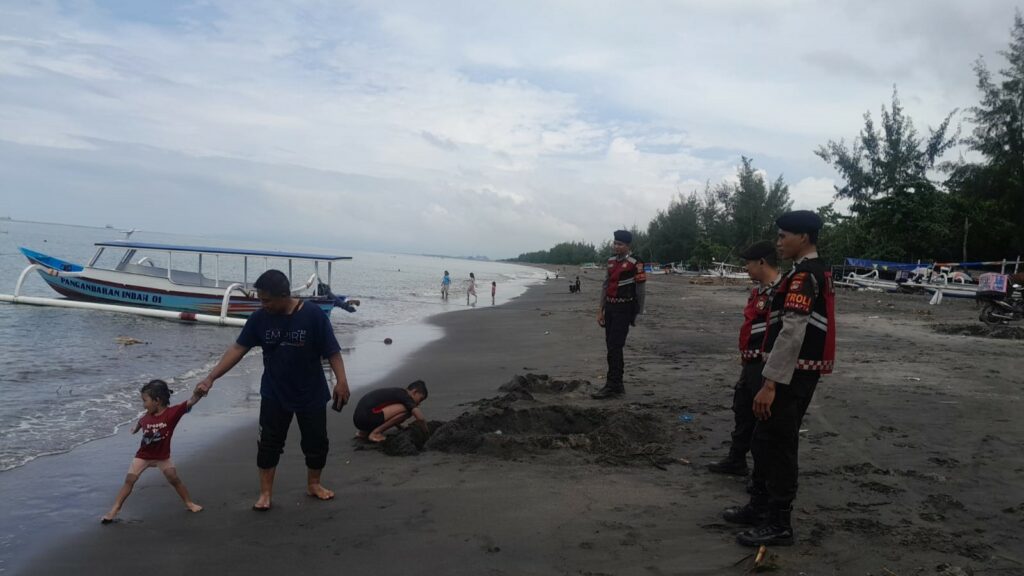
(338, 404)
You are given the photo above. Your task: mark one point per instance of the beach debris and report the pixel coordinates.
(999, 332)
(685, 417)
(759, 558)
(546, 332)
(950, 570)
(388, 341)
(912, 379)
(129, 341)
(683, 461)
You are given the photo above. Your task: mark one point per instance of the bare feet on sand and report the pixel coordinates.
(319, 491)
(360, 435)
(193, 507)
(376, 437)
(262, 503)
(110, 517)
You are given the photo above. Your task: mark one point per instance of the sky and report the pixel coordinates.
(462, 128)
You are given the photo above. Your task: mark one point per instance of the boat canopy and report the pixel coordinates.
(883, 265)
(216, 250)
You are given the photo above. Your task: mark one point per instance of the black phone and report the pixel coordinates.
(338, 404)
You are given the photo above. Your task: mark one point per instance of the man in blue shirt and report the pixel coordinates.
(294, 336)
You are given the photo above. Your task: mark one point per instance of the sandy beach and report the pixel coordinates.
(912, 457)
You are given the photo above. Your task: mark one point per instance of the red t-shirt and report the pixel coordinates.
(157, 430)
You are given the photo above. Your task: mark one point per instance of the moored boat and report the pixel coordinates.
(144, 282)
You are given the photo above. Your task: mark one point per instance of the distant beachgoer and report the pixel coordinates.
(761, 323)
(494, 289)
(384, 408)
(621, 304)
(577, 284)
(294, 337)
(157, 427)
(472, 289)
(446, 284)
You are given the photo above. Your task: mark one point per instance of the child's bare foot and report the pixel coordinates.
(376, 437)
(262, 503)
(193, 507)
(110, 517)
(319, 491)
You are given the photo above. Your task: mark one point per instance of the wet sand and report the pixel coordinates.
(912, 460)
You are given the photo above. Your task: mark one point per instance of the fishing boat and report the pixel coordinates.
(152, 281)
(727, 271)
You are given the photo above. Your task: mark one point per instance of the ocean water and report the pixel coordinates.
(65, 379)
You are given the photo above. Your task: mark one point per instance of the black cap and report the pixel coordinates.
(799, 222)
(624, 236)
(758, 250)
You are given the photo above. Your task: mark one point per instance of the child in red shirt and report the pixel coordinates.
(157, 426)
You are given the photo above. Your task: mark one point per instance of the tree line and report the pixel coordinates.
(907, 201)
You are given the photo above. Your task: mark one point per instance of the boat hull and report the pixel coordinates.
(77, 283)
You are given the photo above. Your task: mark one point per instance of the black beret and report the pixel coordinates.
(624, 236)
(758, 250)
(799, 222)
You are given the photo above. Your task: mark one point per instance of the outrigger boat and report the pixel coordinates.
(728, 271)
(141, 282)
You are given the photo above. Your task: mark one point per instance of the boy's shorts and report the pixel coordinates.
(140, 464)
(367, 420)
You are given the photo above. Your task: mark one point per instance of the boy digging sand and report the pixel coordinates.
(157, 426)
(385, 408)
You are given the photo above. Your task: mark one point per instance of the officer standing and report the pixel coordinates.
(622, 301)
(762, 319)
(802, 352)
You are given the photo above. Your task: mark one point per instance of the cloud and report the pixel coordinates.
(486, 128)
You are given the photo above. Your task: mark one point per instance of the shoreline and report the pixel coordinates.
(881, 487)
(227, 416)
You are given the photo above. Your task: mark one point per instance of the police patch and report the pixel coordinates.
(797, 302)
(797, 283)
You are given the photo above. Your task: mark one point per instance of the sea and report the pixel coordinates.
(70, 376)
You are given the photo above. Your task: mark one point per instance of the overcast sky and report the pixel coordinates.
(462, 128)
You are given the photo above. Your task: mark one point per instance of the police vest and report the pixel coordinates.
(762, 322)
(623, 276)
(809, 290)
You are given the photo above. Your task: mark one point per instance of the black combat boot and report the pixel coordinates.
(776, 531)
(753, 513)
(734, 464)
(609, 391)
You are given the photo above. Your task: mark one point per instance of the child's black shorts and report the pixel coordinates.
(366, 420)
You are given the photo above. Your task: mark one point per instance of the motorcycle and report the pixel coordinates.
(996, 311)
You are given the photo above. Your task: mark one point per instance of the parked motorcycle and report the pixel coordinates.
(997, 311)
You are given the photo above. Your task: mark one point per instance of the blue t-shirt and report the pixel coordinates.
(293, 345)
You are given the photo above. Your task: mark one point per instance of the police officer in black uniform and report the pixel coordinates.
(761, 321)
(803, 350)
(622, 301)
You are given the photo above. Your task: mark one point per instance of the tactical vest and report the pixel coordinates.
(623, 276)
(818, 352)
(762, 322)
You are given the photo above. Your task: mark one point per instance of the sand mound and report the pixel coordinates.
(541, 384)
(979, 329)
(615, 436)
(517, 424)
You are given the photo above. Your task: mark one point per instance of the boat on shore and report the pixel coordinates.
(727, 271)
(151, 281)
